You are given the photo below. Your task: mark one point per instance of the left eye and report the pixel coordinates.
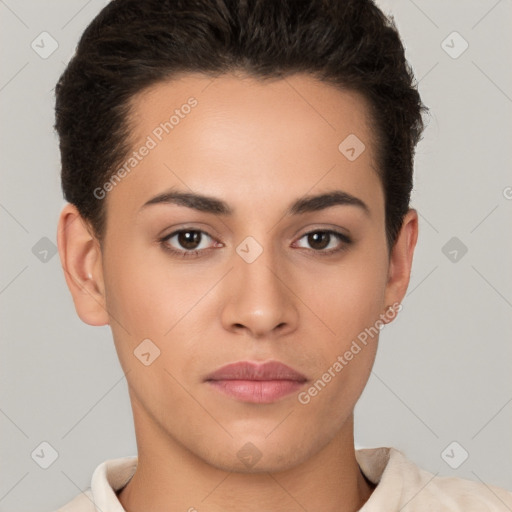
(320, 240)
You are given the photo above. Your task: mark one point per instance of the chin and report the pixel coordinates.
(256, 455)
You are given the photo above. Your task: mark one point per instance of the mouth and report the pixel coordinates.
(256, 382)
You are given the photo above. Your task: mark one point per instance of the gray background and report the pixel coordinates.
(442, 372)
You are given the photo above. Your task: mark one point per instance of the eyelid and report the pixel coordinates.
(191, 226)
(312, 228)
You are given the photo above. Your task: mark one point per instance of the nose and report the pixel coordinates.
(259, 298)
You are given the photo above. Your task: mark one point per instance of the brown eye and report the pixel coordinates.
(326, 241)
(189, 239)
(319, 239)
(187, 242)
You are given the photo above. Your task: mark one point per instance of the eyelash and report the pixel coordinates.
(346, 241)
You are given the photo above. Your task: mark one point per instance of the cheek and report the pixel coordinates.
(148, 298)
(148, 293)
(153, 298)
(345, 298)
(348, 303)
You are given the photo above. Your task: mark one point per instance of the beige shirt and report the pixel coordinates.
(402, 486)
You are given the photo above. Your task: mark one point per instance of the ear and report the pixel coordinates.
(80, 257)
(400, 261)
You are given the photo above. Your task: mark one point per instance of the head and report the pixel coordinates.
(258, 107)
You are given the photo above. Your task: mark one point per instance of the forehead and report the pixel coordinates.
(240, 99)
(241, 138)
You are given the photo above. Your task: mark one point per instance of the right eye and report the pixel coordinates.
(188, 240)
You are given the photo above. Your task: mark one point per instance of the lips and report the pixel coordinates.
(245, 370)
(261, 383)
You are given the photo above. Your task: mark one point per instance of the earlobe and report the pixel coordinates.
(401, 258)
(80, 257)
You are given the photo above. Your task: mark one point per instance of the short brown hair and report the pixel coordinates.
(132, 44)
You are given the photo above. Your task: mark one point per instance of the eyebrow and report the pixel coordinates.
(217, 206)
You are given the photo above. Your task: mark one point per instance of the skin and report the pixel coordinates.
(258, 146)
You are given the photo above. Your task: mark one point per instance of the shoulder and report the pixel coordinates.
(403, 485)
(468, 495)
(108, 477)
(81, 503)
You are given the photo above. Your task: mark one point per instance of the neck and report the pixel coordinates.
(170, 477)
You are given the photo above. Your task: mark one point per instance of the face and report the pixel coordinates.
(277, 253)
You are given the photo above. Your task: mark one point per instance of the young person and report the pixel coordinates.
(238, 176)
